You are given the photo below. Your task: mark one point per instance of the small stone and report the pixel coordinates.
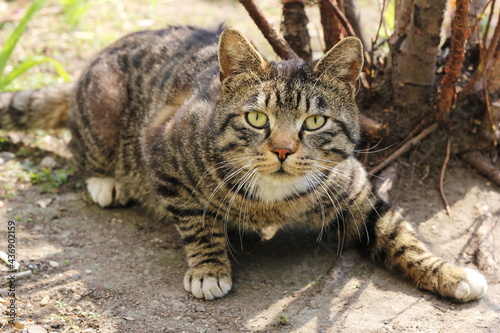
(48, 163)
(200, 308)
(18, 325)
(5, 156)
(44, 203)
(36, 329)
(45, 300)
(53, 263)
(88, 271)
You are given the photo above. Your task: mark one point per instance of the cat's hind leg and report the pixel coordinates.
(106, 192)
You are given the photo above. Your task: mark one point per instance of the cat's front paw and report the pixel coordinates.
(473, 286)
(106, 192)
(208, 282)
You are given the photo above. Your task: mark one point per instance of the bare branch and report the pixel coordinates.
(485, 62)
(340, 15)
(404, 148)
(279, 45)
(441, 177)
(331, 25)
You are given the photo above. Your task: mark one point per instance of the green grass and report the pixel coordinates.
(283, 319)
(5, 54)
(74, 10)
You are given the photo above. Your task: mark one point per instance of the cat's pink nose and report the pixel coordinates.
(282, 153)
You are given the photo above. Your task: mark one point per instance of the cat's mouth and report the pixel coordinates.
(281, 172)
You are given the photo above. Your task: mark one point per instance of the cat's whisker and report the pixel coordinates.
(365, 186)
(245, 203)
(311, 178)
(371, 149)
(338, 212)
(222, 183)
(235, 190)
(215, 167)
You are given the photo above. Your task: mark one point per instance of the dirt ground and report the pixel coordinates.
(116, 270)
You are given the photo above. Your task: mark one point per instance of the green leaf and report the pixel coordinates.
(27, 64)
(18, 31)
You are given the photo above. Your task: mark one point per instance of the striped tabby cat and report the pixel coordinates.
(203, 131)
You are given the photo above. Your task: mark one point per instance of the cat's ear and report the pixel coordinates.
(237, 55)
(343, 61)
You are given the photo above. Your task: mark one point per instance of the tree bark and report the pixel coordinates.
(414, 51)
(455, 60)
(332, 28)
(294, 28)
(352, 14)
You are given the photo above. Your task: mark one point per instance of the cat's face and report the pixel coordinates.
(285, 126)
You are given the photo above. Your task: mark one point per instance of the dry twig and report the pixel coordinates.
(340, 15)
(484, 62)
(278, 43)
(404, 148)
(480, 244)
(488, 23)
(441, 178)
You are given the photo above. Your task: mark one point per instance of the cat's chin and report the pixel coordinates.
(281, 186)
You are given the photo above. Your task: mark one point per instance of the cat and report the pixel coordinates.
(203, 131)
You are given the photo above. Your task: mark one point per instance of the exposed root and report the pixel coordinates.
(482, 165)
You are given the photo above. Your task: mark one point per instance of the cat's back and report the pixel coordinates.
(145, 48)
(153, 56)
(136, 83)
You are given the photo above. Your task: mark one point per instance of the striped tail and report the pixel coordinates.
(45, 108)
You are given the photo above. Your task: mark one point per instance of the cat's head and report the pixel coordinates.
(286, 124)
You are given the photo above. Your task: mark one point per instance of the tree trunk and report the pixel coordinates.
(294, 28)
(352, 13)
(332, 28)
(414, 51)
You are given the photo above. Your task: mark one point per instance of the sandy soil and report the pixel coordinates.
(116, 270)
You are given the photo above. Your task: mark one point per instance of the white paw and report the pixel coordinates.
(472, 287)
(207, 285)
(106, 191)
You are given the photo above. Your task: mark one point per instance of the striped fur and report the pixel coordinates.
(162, 117)
(45, 108)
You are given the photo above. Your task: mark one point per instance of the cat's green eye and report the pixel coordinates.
(314, 122)
(257, 119)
